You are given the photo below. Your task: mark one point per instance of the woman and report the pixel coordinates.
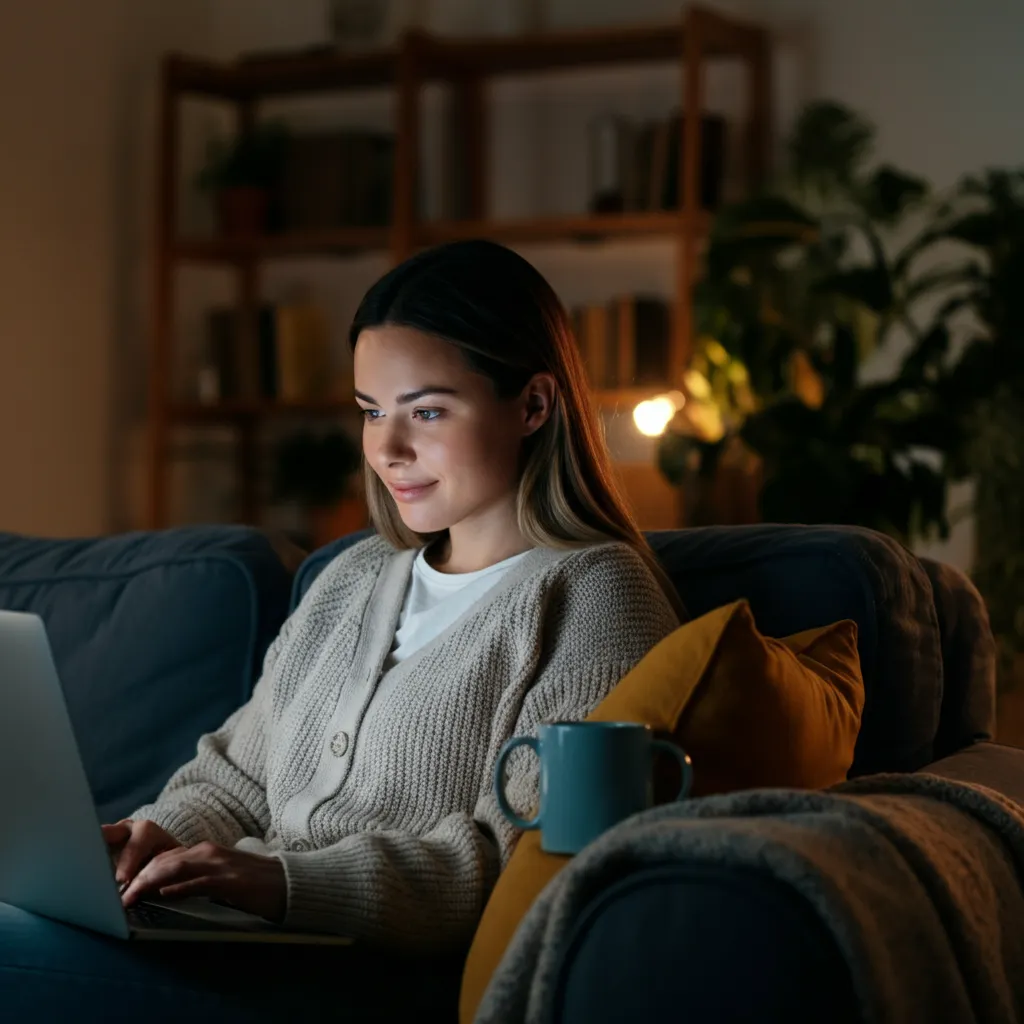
(506, 585)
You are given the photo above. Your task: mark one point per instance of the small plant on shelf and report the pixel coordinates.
(243, 173)
(320, 472)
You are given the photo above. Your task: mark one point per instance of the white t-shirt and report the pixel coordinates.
(435, 600)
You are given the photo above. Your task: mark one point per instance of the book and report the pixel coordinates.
(337, 179)
(712, 162)
(226, 374)
(303, 352)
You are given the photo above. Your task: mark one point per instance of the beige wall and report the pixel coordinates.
(56, 267)
(76, 91)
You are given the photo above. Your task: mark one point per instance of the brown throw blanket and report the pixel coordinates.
(917, 877)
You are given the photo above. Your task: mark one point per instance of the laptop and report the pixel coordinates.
(53, 858)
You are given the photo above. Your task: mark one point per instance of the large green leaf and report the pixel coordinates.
(981, 228)
(924, 361)
(889, 193)
(827, 145)
(868, 285)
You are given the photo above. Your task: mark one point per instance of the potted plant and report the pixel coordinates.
(983, 222)
(320, 471)
(799, 286)
(242, 173)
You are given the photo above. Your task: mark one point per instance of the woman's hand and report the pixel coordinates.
(134, 844)
(247, 881)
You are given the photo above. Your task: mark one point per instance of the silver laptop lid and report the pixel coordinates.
(53, 860)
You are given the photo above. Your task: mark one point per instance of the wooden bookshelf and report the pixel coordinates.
(700, 36)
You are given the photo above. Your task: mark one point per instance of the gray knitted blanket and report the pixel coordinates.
(917, 877)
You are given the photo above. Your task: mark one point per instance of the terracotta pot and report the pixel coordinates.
(327, 524)
(732, 496)
(242, 210)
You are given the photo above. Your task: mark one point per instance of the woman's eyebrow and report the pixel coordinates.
(411, 396)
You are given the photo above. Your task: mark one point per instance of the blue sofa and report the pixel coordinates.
(158, 636)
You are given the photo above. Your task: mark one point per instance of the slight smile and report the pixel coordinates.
(408, 493)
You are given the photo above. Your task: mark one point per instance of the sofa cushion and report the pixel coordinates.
(802, 577)
(750, 710)
(157, 638)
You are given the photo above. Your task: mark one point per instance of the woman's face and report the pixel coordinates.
(435, 432)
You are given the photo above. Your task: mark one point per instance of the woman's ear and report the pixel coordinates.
(538, 402)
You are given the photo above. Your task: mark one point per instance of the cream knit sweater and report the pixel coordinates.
(375, 790)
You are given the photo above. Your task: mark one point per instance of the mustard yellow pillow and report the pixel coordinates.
(749, 710)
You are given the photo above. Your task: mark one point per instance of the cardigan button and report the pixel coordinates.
(299, 846)
(339, 744)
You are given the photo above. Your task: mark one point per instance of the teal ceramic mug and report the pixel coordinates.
(592, 776)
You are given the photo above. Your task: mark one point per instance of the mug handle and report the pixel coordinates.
(685, 764)
(499, 781)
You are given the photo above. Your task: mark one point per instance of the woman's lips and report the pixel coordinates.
(407, 493)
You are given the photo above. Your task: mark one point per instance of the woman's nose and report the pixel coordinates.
(393, 443)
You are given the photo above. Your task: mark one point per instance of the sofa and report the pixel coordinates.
(158, 636)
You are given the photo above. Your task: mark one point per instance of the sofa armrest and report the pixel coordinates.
(968, 709)
(704, 946)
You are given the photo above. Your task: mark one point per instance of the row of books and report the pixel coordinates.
(624, 342)
(288, 358)
(645, 164)
(340, 178)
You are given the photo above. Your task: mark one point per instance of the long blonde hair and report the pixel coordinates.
(509, 324)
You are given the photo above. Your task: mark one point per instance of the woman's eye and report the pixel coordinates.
(370, 414)
(427, 414)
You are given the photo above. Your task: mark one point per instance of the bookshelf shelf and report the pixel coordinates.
(624, 399)
(580, 228)
(227, 411)
(698, 37)
(339, 242)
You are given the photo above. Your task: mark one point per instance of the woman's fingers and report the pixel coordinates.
(118, 833)
(146, 839)
(172, 867)
(203, 885)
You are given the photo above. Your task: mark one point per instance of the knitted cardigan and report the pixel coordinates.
(374, 788)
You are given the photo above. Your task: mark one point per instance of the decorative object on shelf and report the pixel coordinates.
(320, 471)
(610, 164)
(367, 24)
(242, 173)
(517, 17)
(357, 24)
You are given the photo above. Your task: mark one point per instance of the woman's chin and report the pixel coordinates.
(419, 520)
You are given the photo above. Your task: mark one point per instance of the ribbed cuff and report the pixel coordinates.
(324, 896)
(182, 824)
